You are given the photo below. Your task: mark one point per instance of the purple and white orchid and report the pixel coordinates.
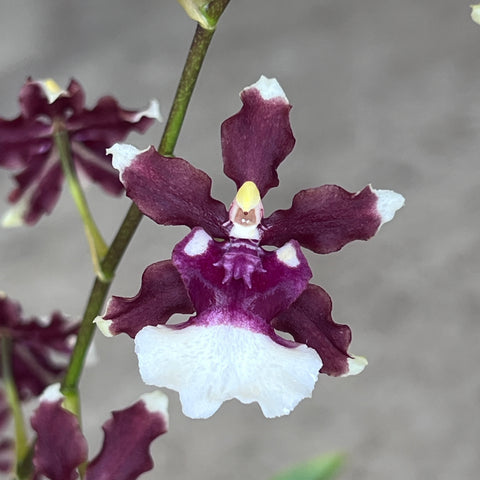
(27, 144)
(241, 293)
(40, 347)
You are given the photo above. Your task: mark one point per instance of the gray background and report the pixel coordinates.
(384, 91)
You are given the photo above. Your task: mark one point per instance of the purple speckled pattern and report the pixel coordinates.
(60, 445)
(37, 347)
(28, 149)
(125, 451)
(161, 295)
(309, 321)
(270, 287)
(256, 140)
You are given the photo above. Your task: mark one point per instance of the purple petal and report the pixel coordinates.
(162, 294)
(326, 218)
(240, 276)
(38, 190)
(94, 167)
(125, 455)
(108, 123)
(309, 321)
(35, 99)
(60, 447)
(169, 190)
(258, 138)
(20, 138)
(41, 349)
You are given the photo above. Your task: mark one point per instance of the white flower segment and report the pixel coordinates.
(208, 365)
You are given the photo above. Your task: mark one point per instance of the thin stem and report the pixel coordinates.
(98, 247)
(196, 55)
(21, 439)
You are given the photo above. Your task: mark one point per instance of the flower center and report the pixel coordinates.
(246, 212)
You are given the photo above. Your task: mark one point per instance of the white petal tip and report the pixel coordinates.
(104, 326)
(269, 88)
(356, 365)
(152, 111)
(156, 402)
(388, 203)
(51, 394)
(13, 217)
(123, 155)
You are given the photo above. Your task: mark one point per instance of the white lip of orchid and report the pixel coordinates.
(209, 365)
(246, 212)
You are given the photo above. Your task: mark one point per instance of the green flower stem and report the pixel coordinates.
(98, 247)
(196, 55)
(21, 439)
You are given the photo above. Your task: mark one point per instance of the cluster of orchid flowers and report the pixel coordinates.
(240, 295)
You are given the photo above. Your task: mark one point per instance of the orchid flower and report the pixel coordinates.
(40, 347)
(27, 144)
(241, 294)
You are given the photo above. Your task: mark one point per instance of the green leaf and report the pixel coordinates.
(325, 467)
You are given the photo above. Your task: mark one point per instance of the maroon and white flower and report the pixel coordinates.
(27, 144)
(241, 293)
(41, 347)
(61, 447)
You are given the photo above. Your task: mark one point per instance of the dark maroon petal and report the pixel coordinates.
(215, 275)
(161, 295)
(324, 219)
(106, 124)
(40, 350)
(169, 190)
(38, 190)
(258, 138)
(128, 435)
(97, 168)
(34, 102)
(309, 321)
(60, 447)
(20, 138)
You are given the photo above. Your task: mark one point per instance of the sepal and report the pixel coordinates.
(60, 447)
(259, 137)
(128, 435)
(161, 295)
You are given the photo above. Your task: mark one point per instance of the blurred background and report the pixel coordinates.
(384, 92)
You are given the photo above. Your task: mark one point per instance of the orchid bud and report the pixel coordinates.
(197, 10)
(475, 13)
